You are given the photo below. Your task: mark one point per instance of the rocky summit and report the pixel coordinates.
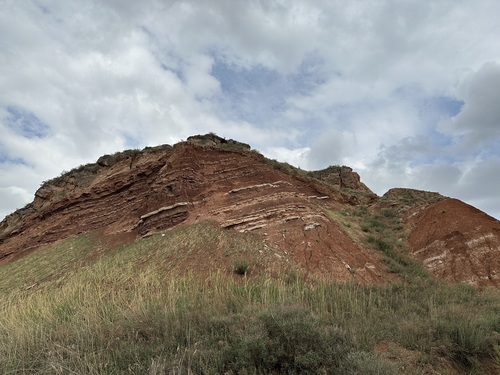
(324, 224)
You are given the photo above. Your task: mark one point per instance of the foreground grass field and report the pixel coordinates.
(74, 309)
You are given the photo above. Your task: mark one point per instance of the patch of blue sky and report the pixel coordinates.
(440, 139)
(492, 151)
(25, 123)
(409, 91)
(434, 109)
(5, 159)
(431, 108)
(428, 149)
(259, 94)
(131, 141)
(433, 159)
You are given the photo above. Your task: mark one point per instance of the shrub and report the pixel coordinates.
(467, 340)
(241, 267)
(287, 339)
(379, 244)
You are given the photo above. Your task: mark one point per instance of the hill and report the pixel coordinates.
(308, 220)
(206, 257)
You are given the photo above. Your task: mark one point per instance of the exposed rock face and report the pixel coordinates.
(345, 180)
(341, 177)
(136, 193)
(213, 140)
(458, 242)
(194, 181)
(410, 198)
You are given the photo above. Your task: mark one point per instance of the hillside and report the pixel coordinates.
(207, 258)
(310, 221)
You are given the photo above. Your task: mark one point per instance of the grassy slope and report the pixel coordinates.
(73, 309)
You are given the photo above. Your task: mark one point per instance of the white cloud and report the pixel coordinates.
(296, 157)
(13, 197)
(375, 85)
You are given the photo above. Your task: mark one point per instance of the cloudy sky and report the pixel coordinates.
(405, 92)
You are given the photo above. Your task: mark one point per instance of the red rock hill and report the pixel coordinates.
(136, 193)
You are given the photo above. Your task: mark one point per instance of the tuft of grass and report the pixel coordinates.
(366, 363)
(51, 265)
(241, 267)
(384, 232)
(496, 349)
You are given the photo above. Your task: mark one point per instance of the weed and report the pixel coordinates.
(497, 355)
(241, 267)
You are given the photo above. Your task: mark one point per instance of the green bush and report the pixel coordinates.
(241, 267)
(379, 244)
(468, 341)
(288, 340)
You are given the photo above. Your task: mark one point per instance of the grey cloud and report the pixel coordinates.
(12, 197)
(331, 148)
(481, 180)
(476, 183)
(419, 164)
(480, 116)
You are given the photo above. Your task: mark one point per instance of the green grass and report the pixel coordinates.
(135, 310)
(241, 267)
(384, 232)
(51, 265)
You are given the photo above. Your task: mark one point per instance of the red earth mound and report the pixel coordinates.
(458, 242)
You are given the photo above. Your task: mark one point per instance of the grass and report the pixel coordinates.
(241, 267)
(131, 311)
(382, 231)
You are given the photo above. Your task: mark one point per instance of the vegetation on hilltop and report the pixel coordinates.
(85, 170)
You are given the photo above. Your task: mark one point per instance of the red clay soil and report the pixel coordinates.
(457, 242)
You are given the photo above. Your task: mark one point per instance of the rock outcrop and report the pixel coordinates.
(145, 192)
(341, 177)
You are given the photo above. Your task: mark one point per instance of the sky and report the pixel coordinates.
(407, 93)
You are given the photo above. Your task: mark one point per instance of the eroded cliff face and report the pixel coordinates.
(342, 177)
(138, 193)
(457, 242)
(205, 178)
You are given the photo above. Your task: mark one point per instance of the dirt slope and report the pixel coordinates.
(458, 242)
